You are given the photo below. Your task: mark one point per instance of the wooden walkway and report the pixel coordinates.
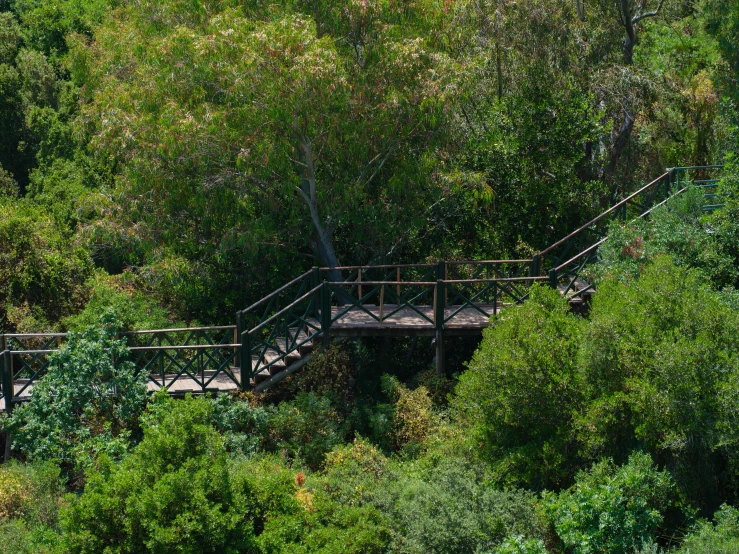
(278, 333)
(407, 321)
(358, 321)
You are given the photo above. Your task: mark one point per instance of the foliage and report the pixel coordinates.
(87, 403)
(677, 229)
(13, 493)
(39, 270)
(519, 544)
(612, 510)
(657, 367)
(522, 388)
(133, 309)
(412, 418)
(330, 372)
(242, 426)
(444, 507)
(306, 428)
(721, 536)
(174, 492)
(35, 491)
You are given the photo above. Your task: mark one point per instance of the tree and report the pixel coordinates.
(312, 149)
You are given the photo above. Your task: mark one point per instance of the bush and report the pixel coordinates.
(39, 268)
(718, 537)
(519, 544)
(521, 389)
(413, 415)
(330, 372)
(30, 496)
(441, 506)
(656, 365)
(133, 310)
(677, 229)
(306, 428)
(174, 493)
(610, 509)
(85, 404)
(243, 427)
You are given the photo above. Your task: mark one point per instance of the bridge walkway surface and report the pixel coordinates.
(279, 333)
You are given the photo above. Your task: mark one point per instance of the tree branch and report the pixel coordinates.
(638, 17)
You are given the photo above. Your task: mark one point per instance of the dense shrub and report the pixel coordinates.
(306, 428)
(173, 493)
(243, 426)
(718, 537)
(678, 229)
(87, 403)
(133, 309)
(612, 510)
(41, 273)
(442, 506)
(658, 364)
(412, 414)
(330, 373)
(518, 397)
(30, 497)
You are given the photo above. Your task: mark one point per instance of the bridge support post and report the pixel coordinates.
(535, 266)
(439, 323)
(6, 369)
(245, 359)
(325, 312)
(315, 280)
(553, 278)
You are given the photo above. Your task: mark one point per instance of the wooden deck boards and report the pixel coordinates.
(364, 321)
(409, 322)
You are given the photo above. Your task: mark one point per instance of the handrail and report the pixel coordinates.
(182, 347)
(501, 280)
(178, 330)
(604, 214)
(278, 291)
(581, 254)
(282, 311)
(32, 335)
(378, 283)
(385, 266)
(483, 262)
(687, 168)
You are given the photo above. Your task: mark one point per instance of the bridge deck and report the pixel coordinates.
(364, 321)
(408, 321)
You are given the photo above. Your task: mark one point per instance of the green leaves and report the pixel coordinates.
(522, 388)
(87, 403)
(612, 510)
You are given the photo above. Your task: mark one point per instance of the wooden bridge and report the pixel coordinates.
(276, 336)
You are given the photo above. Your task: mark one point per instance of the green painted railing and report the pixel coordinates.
(564, 261)
(277, 332)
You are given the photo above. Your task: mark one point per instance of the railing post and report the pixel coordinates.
(325, 311)
(245, 360)
(439, 320)
(8, 392)
(237, 337)
(315, 280)
(535, 266)
(553, 278)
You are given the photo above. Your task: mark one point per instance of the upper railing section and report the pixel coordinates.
(563, 262)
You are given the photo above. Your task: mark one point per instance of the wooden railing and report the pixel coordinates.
(271, 334)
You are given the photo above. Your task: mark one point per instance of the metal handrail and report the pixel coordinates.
(608, 212)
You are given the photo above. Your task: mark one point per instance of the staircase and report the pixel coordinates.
(277, 334)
